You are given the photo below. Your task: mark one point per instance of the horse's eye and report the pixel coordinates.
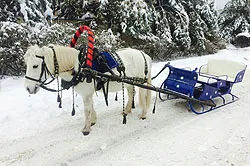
(35, 66)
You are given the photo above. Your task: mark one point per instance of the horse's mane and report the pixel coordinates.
(67, 57)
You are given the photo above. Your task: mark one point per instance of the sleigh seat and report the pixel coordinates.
(220, 69)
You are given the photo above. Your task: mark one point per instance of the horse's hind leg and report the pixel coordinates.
(93, 117)
(90, 115)
(130, 99)
(143, 103)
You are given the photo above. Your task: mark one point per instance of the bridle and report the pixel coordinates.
(45, 70)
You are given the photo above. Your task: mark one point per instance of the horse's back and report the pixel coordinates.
(135, 62)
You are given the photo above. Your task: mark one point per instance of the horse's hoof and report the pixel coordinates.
(142, 117)
(92, 124)
(85, 133)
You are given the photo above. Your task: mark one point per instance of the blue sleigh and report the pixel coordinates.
(212, 82)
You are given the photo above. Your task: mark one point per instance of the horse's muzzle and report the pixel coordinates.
(32, 91)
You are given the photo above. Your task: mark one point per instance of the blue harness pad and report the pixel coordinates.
(100, 67)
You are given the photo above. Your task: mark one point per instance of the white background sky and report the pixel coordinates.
(219, 4)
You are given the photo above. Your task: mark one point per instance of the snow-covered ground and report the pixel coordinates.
(34, 131)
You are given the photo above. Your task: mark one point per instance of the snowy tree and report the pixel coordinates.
(234, 19)
(136, 19)
(9, 10)
(179, 22)
(108, 41)
(14, 43)
(56, 34)
(160, 26)
(108, 15)
(34, 11)
(202, 23)
(76, 9)
(71, 9)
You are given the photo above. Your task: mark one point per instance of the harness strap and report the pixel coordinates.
(166, 65)
(56, 66)
(121, 67)
(44, 70)
(82, 53)
(105, 93)
(146, 65)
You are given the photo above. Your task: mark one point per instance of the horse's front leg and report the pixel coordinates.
(90, 114)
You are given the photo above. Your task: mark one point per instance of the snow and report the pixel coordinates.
(246, 34)
(219, 4)
(48, 12)
(23, 10)
(34, 131)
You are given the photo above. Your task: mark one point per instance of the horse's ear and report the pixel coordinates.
(45, 49)
(35, 46)
(30, 51)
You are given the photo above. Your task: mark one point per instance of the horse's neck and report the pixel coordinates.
(66, 58)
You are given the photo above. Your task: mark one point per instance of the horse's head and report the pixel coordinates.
(45, 61)
(35, 69)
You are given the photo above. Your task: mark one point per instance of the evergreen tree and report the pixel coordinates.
(14, 42)
(71, 9)
(108, 15)
(76, 9)
(9, 10)
(33, 11)
(234, 19)
(178, 23)
(202, 23)
(136, 19)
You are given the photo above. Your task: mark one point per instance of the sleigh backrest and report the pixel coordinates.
(224, 69)
(181, 80)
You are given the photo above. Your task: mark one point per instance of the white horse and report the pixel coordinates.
(134, 62)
